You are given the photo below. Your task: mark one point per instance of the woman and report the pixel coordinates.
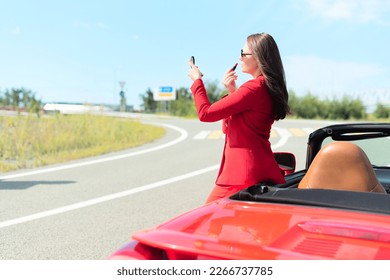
(248, 114)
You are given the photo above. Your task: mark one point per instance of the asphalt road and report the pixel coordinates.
(86, 209)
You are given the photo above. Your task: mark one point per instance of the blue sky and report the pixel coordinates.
(78, 51)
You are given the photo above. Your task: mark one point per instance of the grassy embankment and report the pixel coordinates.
(27, 142)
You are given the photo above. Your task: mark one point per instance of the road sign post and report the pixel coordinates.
(122, 95)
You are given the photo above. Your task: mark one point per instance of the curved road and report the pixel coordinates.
(88, 208)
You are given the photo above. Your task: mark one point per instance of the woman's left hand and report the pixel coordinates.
(229, 80)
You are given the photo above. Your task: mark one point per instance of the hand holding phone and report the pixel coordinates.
(191, 62)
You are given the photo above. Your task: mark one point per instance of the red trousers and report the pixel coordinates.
(221, 191)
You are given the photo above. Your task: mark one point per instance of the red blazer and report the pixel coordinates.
(247, 119)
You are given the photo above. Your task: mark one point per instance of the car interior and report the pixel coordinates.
(341, 166)
(348, 170)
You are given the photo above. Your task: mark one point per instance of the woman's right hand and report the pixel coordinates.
(229, 80)
(194, 72)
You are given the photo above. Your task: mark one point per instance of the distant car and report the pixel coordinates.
(289, 221)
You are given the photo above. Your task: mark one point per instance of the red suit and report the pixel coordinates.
(247, 119)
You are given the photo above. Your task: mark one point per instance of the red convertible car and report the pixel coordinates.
(338, 207)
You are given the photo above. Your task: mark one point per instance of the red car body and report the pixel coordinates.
(280, 222)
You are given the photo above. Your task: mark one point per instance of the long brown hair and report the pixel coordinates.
(266, 52)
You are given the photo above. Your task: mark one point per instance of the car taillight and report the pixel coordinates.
(347, 230)
(138, 251)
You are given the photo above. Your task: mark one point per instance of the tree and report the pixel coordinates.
(149, 104)
(21, 99)
(214, 92)
(357, 109)
(293, 102)
(184, 104)
(332, 111)
(382, 112)
(350, 109)
(309, 107)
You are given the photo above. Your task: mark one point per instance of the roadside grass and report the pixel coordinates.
(29, 141)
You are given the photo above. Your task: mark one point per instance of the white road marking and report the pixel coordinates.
(284, 137)
(183, 136)
(202, 135)
(106, 198)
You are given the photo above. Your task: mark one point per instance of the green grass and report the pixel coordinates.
(27, 142)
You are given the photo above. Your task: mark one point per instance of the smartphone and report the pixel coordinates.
(192, 60)
(234, 67)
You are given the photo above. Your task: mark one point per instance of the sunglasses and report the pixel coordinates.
(244, 54)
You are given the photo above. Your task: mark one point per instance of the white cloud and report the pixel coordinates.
(364, 11)
(325, 76)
